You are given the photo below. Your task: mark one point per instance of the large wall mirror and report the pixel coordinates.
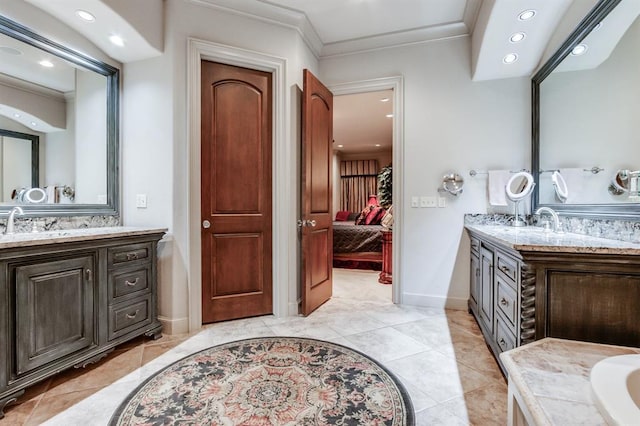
(68, 104)
(586, 117)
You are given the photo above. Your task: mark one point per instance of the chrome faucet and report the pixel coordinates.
(11, 219)
(554, 216)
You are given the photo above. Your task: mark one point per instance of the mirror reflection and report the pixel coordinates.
(64, 106)
(589, 109)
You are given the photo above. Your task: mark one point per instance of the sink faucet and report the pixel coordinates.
(10, 220)
(554, 216)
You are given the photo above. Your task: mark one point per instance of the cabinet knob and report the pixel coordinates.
(132, 256)
(505, 269)
(504, 302)
(88, 274)
(502, 343)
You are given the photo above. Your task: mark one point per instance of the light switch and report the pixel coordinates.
(442, 202)
(414, 202)
(141, 201)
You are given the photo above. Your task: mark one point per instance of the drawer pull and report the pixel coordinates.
(133, 315)
(505, 269)
(132, 256)
(131, 283)
(504, 302)
(502, 343)
(89, 274)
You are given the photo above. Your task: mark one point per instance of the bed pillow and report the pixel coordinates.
(375, 216)
(353, 216)
(363, 215)
(342, 216)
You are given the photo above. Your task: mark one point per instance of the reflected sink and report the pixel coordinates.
(615, 385)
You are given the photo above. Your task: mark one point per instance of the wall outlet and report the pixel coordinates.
(141, 201)
(414, 202)
(428, 202)
(442, 202)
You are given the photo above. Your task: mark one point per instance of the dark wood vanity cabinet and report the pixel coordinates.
(518, 296)
(68, 304)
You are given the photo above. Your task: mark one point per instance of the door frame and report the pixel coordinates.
(282, 168)
(397, 85)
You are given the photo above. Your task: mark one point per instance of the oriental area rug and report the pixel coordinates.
(270, 381)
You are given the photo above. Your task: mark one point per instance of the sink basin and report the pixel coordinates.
(615, 385)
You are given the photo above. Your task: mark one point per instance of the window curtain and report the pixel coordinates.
(358, 180)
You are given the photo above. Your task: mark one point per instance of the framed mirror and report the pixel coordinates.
(585, 113)
(68, 102)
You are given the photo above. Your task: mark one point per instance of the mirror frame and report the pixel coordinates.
(609, 211)
(112, 207)
(35, 152)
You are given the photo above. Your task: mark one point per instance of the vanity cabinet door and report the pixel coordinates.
(486, 288)
(475, 282)
(54, 310)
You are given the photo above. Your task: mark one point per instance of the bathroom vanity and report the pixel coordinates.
(527, 284)
(67, 298)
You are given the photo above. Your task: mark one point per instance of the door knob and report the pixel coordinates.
(311, 223)
(206, 224)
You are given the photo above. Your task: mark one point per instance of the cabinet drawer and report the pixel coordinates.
(124, 318)
(124, 283)
(475, 245)
(506, 299)
(508, 266)
(129, 254)
(504, 337)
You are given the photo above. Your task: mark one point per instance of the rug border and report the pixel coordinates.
(403, 391)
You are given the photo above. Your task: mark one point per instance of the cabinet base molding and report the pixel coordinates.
(93, 359)
(9, 399)
(155, 334)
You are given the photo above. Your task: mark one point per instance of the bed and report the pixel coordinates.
(357, 246)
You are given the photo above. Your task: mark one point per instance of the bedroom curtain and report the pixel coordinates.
(358, 180)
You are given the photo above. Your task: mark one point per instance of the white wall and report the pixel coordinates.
(155, 142)
(451, 123)
(60, 154)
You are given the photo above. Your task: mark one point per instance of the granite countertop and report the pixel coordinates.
(532, 238)
(28, 239)
(552, 376)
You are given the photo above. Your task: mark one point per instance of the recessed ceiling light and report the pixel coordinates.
(389, 115)
(117, 40)
(526, 15)
(510, 58)
(33, 123)
(579, 49)
(10, 51)
(340, 146)
(384, 100)
(16, 115)
(377, 144)
(83, 14)
(46, 63)
(517, 37)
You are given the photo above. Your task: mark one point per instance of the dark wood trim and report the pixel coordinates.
(595, 16)
(112, 208)
(35, 152)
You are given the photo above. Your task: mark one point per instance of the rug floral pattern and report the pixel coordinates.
(270, 381)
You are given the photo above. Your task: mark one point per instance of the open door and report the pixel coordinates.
(316, 221)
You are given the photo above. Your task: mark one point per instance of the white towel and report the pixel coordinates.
(575, 179)
(51, 193)
(497, 183)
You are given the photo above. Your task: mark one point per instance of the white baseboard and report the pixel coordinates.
(174, 326)
(293, 309)
(416, 299)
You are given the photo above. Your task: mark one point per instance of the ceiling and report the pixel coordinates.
(360, 122)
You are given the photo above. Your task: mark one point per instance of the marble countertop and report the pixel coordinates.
(552, 376)
(28, 239)
(532, 238)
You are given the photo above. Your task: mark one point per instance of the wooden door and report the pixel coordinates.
(316, 220)
(236, 192)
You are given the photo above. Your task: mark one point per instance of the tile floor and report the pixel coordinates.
(439, 356)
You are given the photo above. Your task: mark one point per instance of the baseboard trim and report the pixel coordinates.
(174, 326)
(293, 309)
(416, 299)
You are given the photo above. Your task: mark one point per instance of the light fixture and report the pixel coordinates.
(579, 49)
(384, 100)
(46, 63)
(526, 15)
(377, 144)
(389, 116)
(34, 124)
(517, 37)
(87, 16)
(340, 146)
(117, 40)
(510, 58)
(16, 115)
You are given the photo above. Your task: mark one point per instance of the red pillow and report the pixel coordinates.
(375, 216)
(342, 216)
(363, 215)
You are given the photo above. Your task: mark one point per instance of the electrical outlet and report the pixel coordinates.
(141, 201)
(427, 202)
(414, 202)
(442, 202)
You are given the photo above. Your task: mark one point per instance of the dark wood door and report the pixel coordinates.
(236, 192)
(317, 229)
(54, 310)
